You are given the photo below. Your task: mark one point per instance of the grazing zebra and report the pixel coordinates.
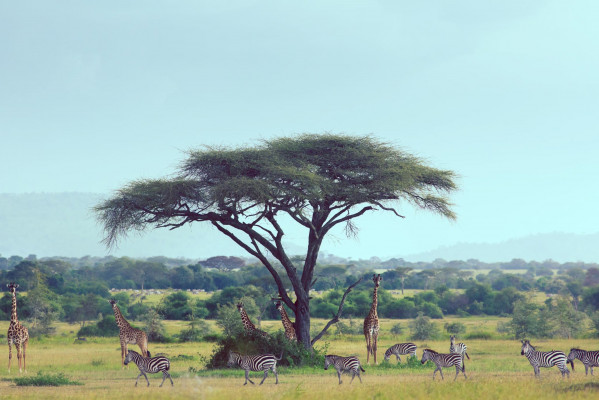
(400, 348)
(459, 348)
(152, 365)
(344, 364)
(261, 362)
(445, 360)
(545, 359)
(588, 358)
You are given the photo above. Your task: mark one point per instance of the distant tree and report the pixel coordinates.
(455, 328)
(403, 273)
(317, 181)
(592, 277)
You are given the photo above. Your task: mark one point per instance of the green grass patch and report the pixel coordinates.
(45, 379)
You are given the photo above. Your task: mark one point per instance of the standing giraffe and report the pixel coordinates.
(129, 334)
(17, 333)
(371, 322)
(248, 326)
(287, 324)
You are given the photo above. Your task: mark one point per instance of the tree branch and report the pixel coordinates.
(258, 254)
(336, 317)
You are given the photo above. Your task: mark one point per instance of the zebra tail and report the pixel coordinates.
(467, 355)
(280, 357)
(148, 352)
(363, 370)
(571, 363)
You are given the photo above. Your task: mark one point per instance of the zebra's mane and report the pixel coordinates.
(431, 351)
(575, 349)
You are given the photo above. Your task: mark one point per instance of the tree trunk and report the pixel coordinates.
(402, 280)
(302, 321)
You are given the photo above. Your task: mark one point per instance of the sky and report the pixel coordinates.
(505, 93)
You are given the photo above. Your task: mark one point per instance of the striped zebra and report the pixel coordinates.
(400, 349)
(260, 362)
(459, 348)
(445, 360)
(545, 359)
(344, 364)
(152, 365)
(588, 358)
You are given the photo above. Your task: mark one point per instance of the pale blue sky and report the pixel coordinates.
(505, 93)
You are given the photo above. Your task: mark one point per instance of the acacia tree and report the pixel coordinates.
(318, 181)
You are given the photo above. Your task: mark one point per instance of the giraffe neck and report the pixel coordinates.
(13, 315)
(246, 320)
(285, 317)
(118, 316)
(375, 301)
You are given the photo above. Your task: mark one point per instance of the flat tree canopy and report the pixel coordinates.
(320, 181)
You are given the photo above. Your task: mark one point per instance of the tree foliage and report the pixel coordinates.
(319, 181)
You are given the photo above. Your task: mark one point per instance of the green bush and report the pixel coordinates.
(422, 328)
(106, 327)
(479, 335)
(45, 379)
(293, 353)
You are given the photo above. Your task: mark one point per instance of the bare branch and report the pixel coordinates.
(335, 317)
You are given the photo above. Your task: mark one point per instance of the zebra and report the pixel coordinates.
(545, 359)
(152, 365)
(588, 358)
(459, 348)
(445, 360)
(400, 348)
(261, 362)
(344, 364)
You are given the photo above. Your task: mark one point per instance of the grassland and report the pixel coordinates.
(496, 370)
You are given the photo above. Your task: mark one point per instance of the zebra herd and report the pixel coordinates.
(455, 358)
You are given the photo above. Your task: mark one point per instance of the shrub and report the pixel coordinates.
(479, 335)
(293, 353)
(396, 330)
(455, 328)
(106, 327)
(45, 379)
(422, 328)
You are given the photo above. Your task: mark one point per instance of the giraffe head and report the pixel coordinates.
(112, 302)
(377, 280)
(240, 306)
(279, 306)
(12, 287)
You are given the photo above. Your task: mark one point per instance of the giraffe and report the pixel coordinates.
(287, 324)
(129, 334)
(248, 326)
(371, 322)
(17, 333)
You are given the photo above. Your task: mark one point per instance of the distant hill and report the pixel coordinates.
(63, 224)
(557, 246)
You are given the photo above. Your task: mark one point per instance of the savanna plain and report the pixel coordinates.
(496, 370)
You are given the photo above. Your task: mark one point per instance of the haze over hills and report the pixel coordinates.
(63, 224)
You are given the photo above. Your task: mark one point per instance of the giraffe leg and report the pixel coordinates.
(9, 353)
(374, 347)
(368, 348)
(19, 347)
(123, 354)
(25, 343)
